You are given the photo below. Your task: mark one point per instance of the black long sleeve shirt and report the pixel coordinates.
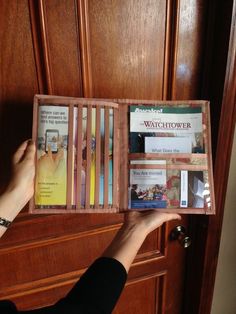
(96, 292)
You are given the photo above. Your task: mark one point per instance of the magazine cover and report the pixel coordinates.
(147, 186)
(52, 143)
(166, 129)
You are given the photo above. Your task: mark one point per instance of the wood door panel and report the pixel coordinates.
(52, 257)
(60, 42)
(24, 230)
(112, 49)
(29, 228)
(34, 296)
(18, 82)
(190, 32)
(18, 74)
(60, 255)
(47, 291)
(127, 41)
(143, 293)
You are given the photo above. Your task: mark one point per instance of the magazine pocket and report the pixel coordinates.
(168, 186)
(77, 156)
(188, 189)
(188, 183)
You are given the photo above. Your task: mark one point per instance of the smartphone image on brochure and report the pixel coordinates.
(51, 138)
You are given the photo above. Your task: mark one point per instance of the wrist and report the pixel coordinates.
(19, 195)
(10, 204)
(135, 229)
(126, 243)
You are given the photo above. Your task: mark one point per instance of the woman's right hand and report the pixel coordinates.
(147, 221)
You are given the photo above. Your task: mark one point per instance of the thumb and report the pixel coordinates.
(30, 150)
(20, 152)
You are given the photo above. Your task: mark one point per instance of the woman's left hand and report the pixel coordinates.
(21, 185)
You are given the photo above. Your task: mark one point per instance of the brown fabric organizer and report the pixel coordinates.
(120, 152)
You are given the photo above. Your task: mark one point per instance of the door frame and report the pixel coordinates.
(206, 231)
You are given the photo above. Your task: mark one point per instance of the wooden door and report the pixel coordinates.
(149, 49)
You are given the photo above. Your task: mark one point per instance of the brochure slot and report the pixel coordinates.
(98, 156)
(88, 156)
(115, 153)
(79, 188)
(70, 177)
(161, 156)
(168, 166)
(123, 156)
(106, 157)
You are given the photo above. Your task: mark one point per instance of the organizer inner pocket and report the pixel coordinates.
(162, 184)
(79, 142)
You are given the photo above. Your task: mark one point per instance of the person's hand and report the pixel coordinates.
(128, 240)
(21, 185)
(149, 220)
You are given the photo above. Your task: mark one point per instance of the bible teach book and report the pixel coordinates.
(118, 155)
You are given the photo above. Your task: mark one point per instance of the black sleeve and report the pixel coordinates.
(96, 292)
(99, 288)
(7, 307)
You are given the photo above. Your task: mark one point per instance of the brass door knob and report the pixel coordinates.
(179, 234)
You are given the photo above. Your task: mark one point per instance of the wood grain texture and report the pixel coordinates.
(18, 81)
(45, 46)
(38, 293)
(222, 164)
(153, 243)
(37, 46)
(61, 48)
(17, 58)
(144, 290)
(62, 225)
(169, 52)
(219, 87)
(55, 264)
(84, 35)
(52, 258)
(188, 49)
(127, 48)
(113, 49)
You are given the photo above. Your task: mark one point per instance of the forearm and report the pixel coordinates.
(9, 207)
(130, 237)
(126, 244)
